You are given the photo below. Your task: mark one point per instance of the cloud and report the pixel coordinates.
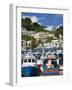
(59, 26)
(40, 23)
(49, 28)
(52, 27)
(33, 18)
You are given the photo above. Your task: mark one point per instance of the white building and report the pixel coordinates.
(25, 32)
(25, 44)
(42, 35)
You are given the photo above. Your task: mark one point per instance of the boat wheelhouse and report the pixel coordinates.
(29, 65)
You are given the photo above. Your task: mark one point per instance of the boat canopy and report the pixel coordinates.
(29, 55)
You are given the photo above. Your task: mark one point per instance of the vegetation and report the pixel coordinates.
(37, 28)
(49, 39)
(26, 37)
(26, 23)
(30, 38)
(34, 43)
(59, 31)
(29, 26)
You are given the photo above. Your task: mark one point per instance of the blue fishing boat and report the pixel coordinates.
(29, 67)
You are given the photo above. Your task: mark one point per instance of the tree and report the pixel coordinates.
(32, 39)
(37, 27)
(26, 37)
(41, 42)
(49, 39)
(34, 43)
(59, 31)
(26, 23)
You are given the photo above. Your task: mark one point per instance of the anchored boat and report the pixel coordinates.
(29, 67)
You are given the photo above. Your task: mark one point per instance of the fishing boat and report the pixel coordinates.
(48, 63)
(50, 66)
(29, 65)
(60, 58)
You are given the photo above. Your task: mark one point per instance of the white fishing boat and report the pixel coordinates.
(29, 65)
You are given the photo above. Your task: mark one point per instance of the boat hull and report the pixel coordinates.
(29, 71)
(51, 71)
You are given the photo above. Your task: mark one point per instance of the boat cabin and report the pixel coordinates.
(29, 60)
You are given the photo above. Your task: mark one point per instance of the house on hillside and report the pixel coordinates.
(42, 36)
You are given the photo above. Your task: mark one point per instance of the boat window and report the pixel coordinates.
(61, 61)
(25, 60)
(21, 61)
(33, 60)
(44, 62)
(22, 52)
(29, 60)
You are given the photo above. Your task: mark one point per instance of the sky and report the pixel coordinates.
(48, 20)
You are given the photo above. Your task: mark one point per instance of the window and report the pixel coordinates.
(33, 60)
(22, 52)
(21, 61)
(29, 60)
(22, 42)
(25, 60)
(61, 61)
